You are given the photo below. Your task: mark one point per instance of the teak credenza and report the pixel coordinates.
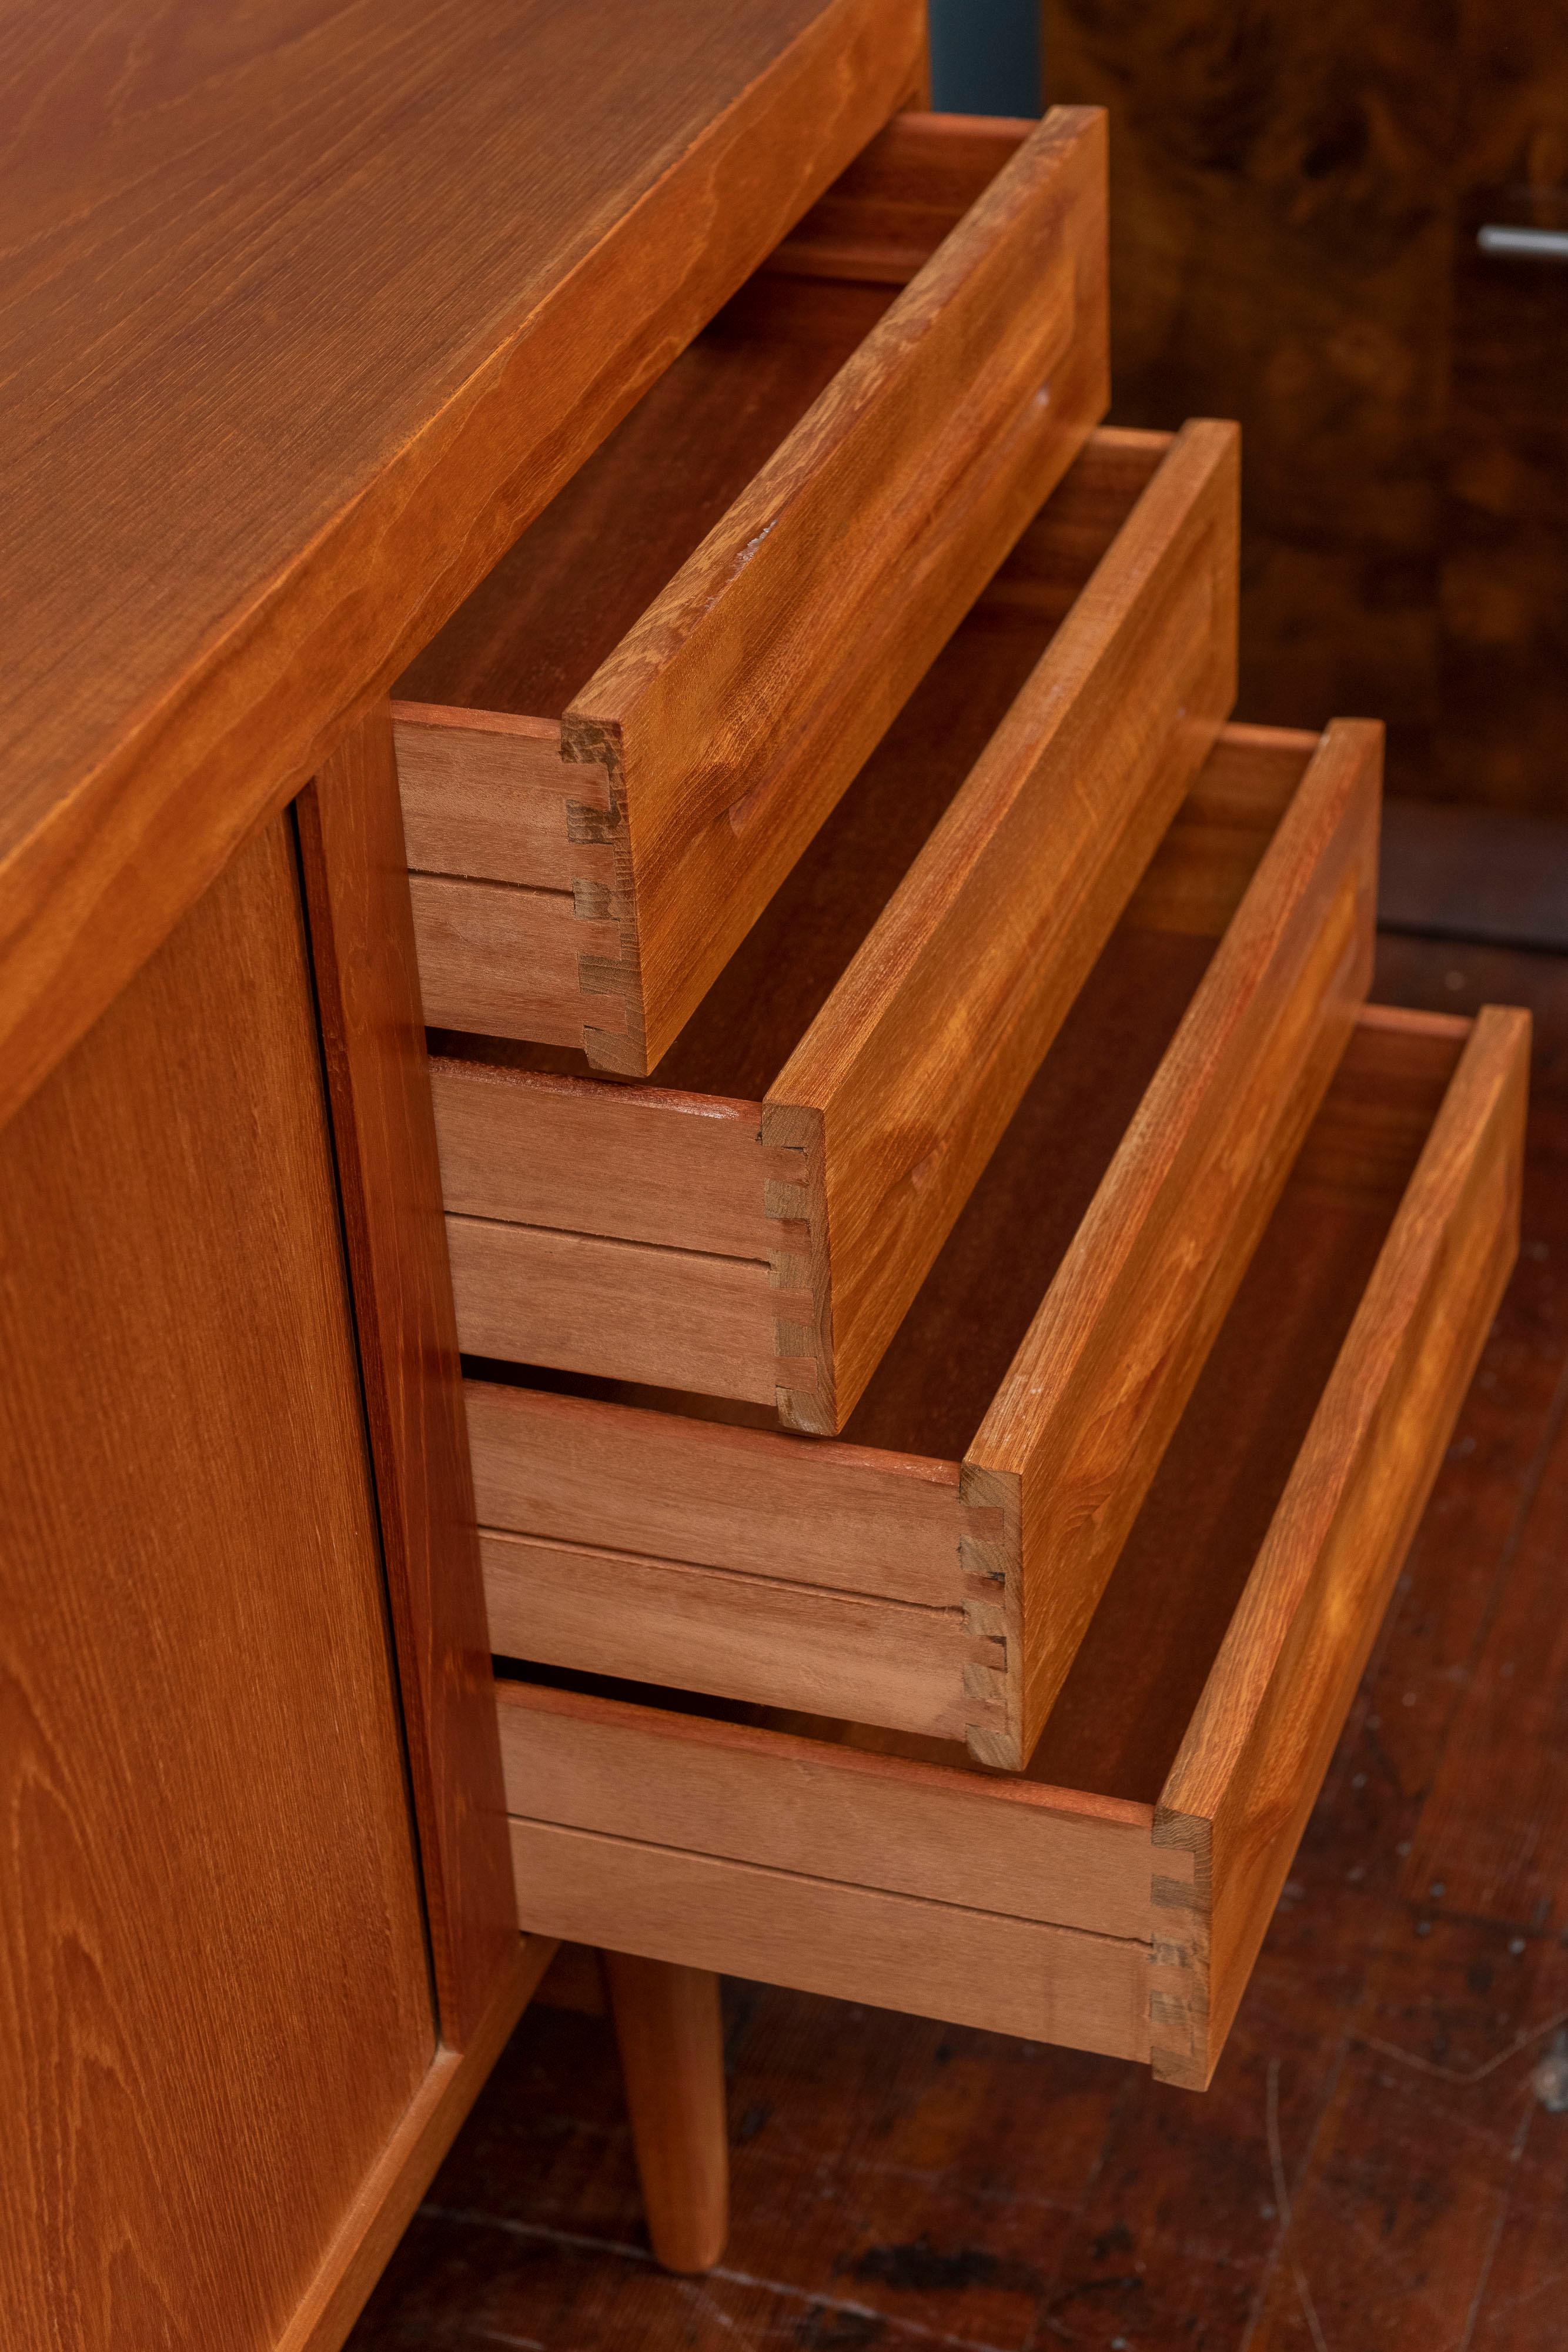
(945, 1414)
(594, 530)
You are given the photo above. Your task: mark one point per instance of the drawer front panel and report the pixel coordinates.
(733, 717)
(1252, 1762)
(488, 795)
(627, 1163)
(506, 961)
(791, 1850)
(921, 1053)
(827, 1811)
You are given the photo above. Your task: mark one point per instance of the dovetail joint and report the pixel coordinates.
(1179, 1953)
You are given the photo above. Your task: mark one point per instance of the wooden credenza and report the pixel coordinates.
(962, 1301)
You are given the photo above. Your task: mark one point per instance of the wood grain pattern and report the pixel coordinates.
(893, 1052)
(777, 1641)
(532, 1295)
(975, 1968)
(670, 2034)
(367, 990)
(1254, 1758)
(485, 792)
(1294, 244)
(733, 716)
(1095, 1393)
(633, 1163)
(694, 1819)
(583, 206)
(1201, 872)
(1282, 246)
(203, 1782)
(509, 960)
(801, 1805)
(926, 1048)
(581, 1470)
(1165, 1166)
(1498, 589)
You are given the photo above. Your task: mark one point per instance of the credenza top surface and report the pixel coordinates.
(257, 255)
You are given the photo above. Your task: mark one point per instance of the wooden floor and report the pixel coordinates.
(1382, 2164)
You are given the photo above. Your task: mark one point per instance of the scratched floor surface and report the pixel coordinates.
(1382, 2163)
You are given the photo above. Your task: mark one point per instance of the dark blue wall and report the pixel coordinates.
(985, 56)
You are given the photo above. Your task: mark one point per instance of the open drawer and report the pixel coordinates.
(757, 1223)
(1114, 1898)
(934, 1569)
(619, 746)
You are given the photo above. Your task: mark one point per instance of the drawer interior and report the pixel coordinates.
(1151, 1644)
(771, 990)
(949, 1357)
(613, 753)
(537, 627)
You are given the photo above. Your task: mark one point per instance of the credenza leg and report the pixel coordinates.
(672, 2058)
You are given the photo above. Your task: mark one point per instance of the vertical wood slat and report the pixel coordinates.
(367, 978)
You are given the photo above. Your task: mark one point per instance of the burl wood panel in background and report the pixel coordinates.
(215, 1989)
(1295, 199)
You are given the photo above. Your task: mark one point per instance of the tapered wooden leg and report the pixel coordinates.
(672, 2057)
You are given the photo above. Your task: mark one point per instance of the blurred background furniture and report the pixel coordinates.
(1310, 233)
